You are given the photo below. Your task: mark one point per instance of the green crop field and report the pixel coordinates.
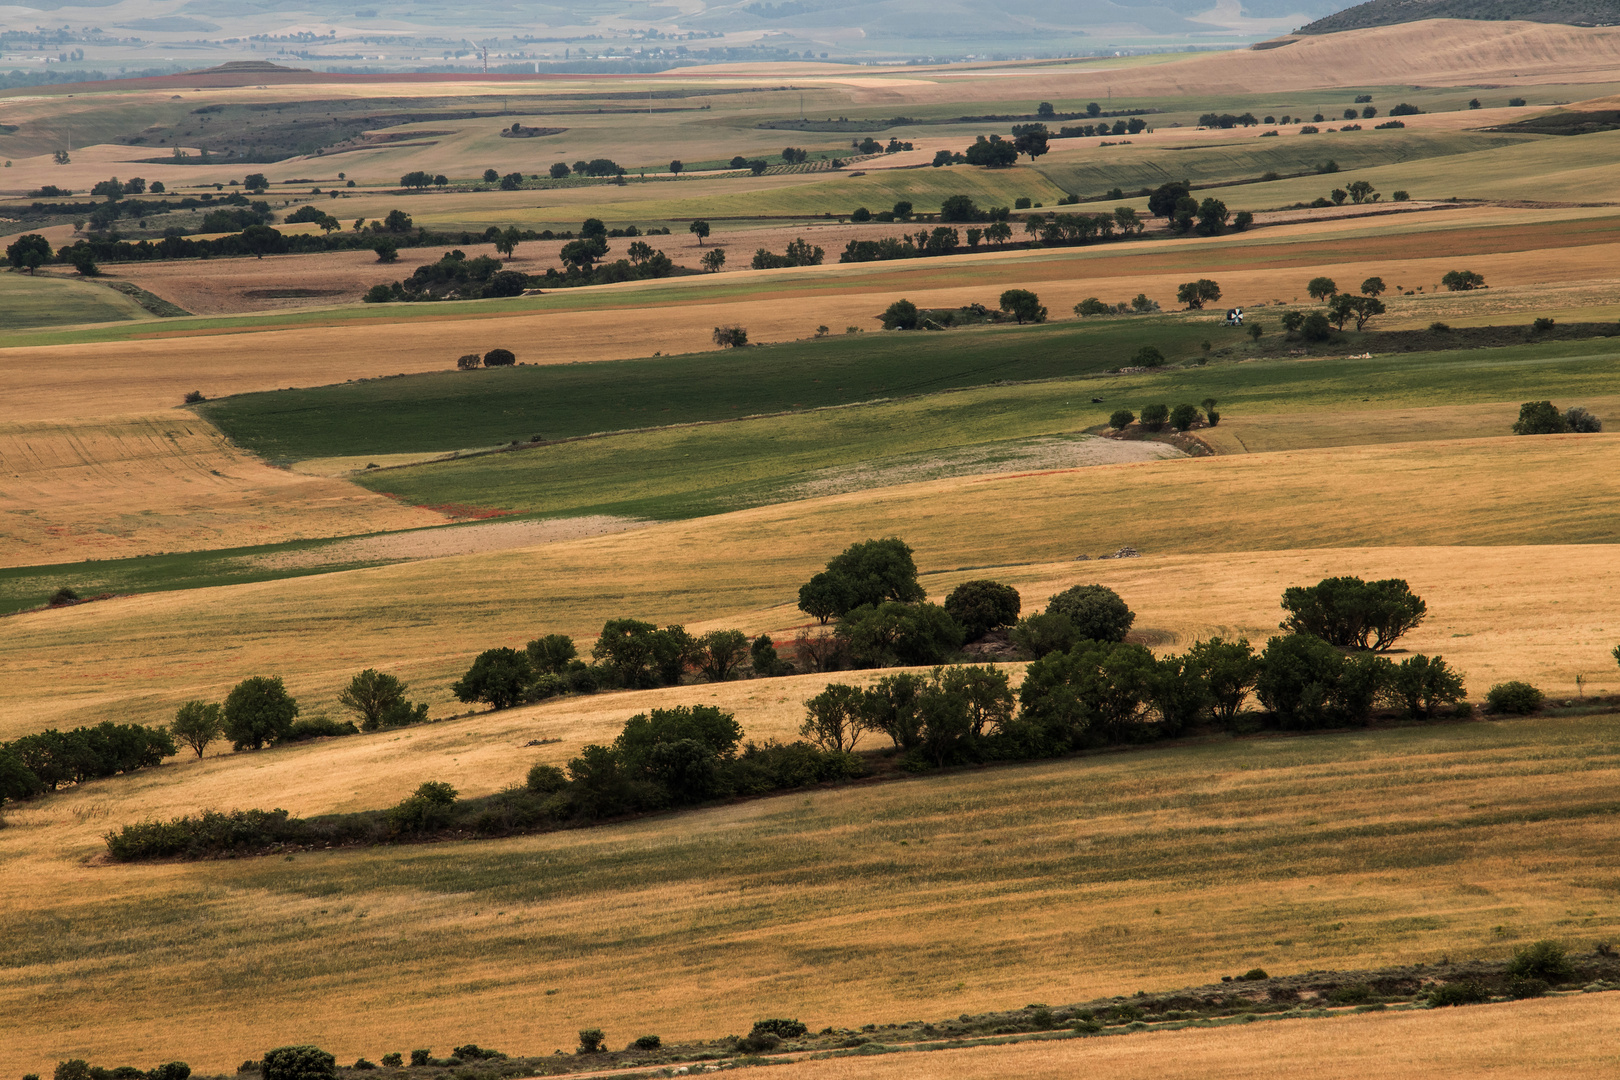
(28, 302)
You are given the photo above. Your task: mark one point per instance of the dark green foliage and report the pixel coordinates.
(1023, 305)
(1179, 693)
(1154, 417)
(551, 654)
(836, 718)
(763, 659)
(546, 779)
(1582, 422)
(257, 711)
(1195, 294)
(894, 633)
(363, 1065)
(474, 1052)
(17, 780)
(1520, 989)
(393, 1061)
(1351, 994)
(298, 1063)
(1044, 633)
(1539, 418)
(647, 1042)
(378, 699)
(1462, 280)
(1162, 202)
(1545, 959)
(719, 654)
(1148, 356)
(980, 606)
(1517, 698)
(900, 315)
(1424, 683)
(56, 757)
(29, 252)
(1254, 975)
(1229, 669)
(1097, 688)
(1096, 612)
(1352, 613)
(1298, 679)
(498, 676)
(1467, 992)
(317, 727)
(959, 208)
(425, 810)
(211, 833)
(1315, 326)
(758, 1042)
(1121, 419)
(786, 1029)
(1183, 417)
(865, 573)
(638, 655)
(1322, 288)
(590, 1041)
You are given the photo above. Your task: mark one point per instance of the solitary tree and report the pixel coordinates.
(559, 170)
(676, 166)
(506, 243)
(255, 182)
(1121, 419)
(1320, 288)
(1462, 280)
(1373, 286)
(713, 259)
(197, 723)
(29, 252)
(1023, 305)
(258, 710)
(490, 176)
(1539, 418)
(699, 229)
(730, 337)
(378, 699)
(298, 1063)
(901, 315)
(1195, 294)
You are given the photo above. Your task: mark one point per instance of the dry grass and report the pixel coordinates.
(137, 485)
(1218, 532)
(1050, 882)
(1527, 1039)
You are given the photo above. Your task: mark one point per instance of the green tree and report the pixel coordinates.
(197, 723)
(1098, 686)
(17, 780)
(255, 182)
(836, 718)
(1195, 294)
(378, 700)
(730, 337)
(426, 809)
(1212, 215)
(720, 654)
(980, 606)
(676, 166)
(490, 176)
(1539, 418)
(1163, 200)
(1121, 419)
(1373, 286)
(1183, 417)
(583, 253)
(826, 596)
(1229, 670)
(878, 570)
(763, 659)
(417, 179)
(298, 1063)
(1425, 683)
(960, 208)
(258, 710)
(699, 229)
(1154, 417)
(1322, 288)
(894, 633)
(551, 654)
(1315, 326)
(498, 676)
(29, 252)
(1211, 417)
(1023, 305)
(1047, 632)
(900, 315)
(1096, 611)
(1354, 614)
(506, 243)
(713, 260)
(1462, 280)
(559, 170)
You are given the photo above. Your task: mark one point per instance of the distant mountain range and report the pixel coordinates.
(1390, 12)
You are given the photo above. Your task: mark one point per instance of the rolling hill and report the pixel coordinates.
(1392, 12)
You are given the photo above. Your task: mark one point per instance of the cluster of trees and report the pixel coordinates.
(1060, 229)
(1133, 126)
(1227, 120)
(925, 243)
(1462, 280)
(799, 253)
(43, 762)
(1155, 417)
(1140, 305)
(629, 655)
(453, 277)
(419, 180)
(1174, 202)
(1051, 230)
(994, 152)
(1342, 307)
(1543, 418)
(79, 1069)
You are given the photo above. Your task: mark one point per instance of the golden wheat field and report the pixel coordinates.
(912, 896)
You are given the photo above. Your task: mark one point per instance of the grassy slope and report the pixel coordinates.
(28, 302)
(1052, 882)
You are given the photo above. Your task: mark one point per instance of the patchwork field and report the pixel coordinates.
(632, 468)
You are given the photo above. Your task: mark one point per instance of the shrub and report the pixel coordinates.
(1582, 422)
(194, 396)
(1462, 280)
(1154, 417)
(1518, 698)
(1023, 305)
(468, 361)
(378, 699)
(1299, 675)
(1254, 975)
(257, 711)
(590, 1041)
(1147, 356)
(1545, 959)
(474, 1052)
(17, 780)
(363, 1065)
(498, 676)
(763, 659)
(896, 633)
(428, 808)
(499, 358)
(1539, 418)
(1045, 633)
(1096, 612)
(1423, 684)
(546, 779)
(1183, 417)
(981, 606)
(900, 315)
(1458, 993)
(730, 337)
(392, 1061)
(1521, 989)
(1093, 306)
(317, 727)
(647, 1042)
(786, 1029)
(1229, 670)
(421, 1057)
(1351, 994)
(1096, 686)
(1121, 419)
(758, 1042)
(1316, 327)
(299, 1063)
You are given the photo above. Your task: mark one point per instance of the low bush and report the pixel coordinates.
(647, 1042)
(1516, 698)
(421, 1057)
(317, 727)
(786, 1029)
(591, 1041)
(298, 1063)
(474, 1052)
(1351, 994)
(1521, 989)
(499, 358)
(1154, 417)
(1467, 992)
(392, 1061)
(1121, 419)
(1545, 959)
